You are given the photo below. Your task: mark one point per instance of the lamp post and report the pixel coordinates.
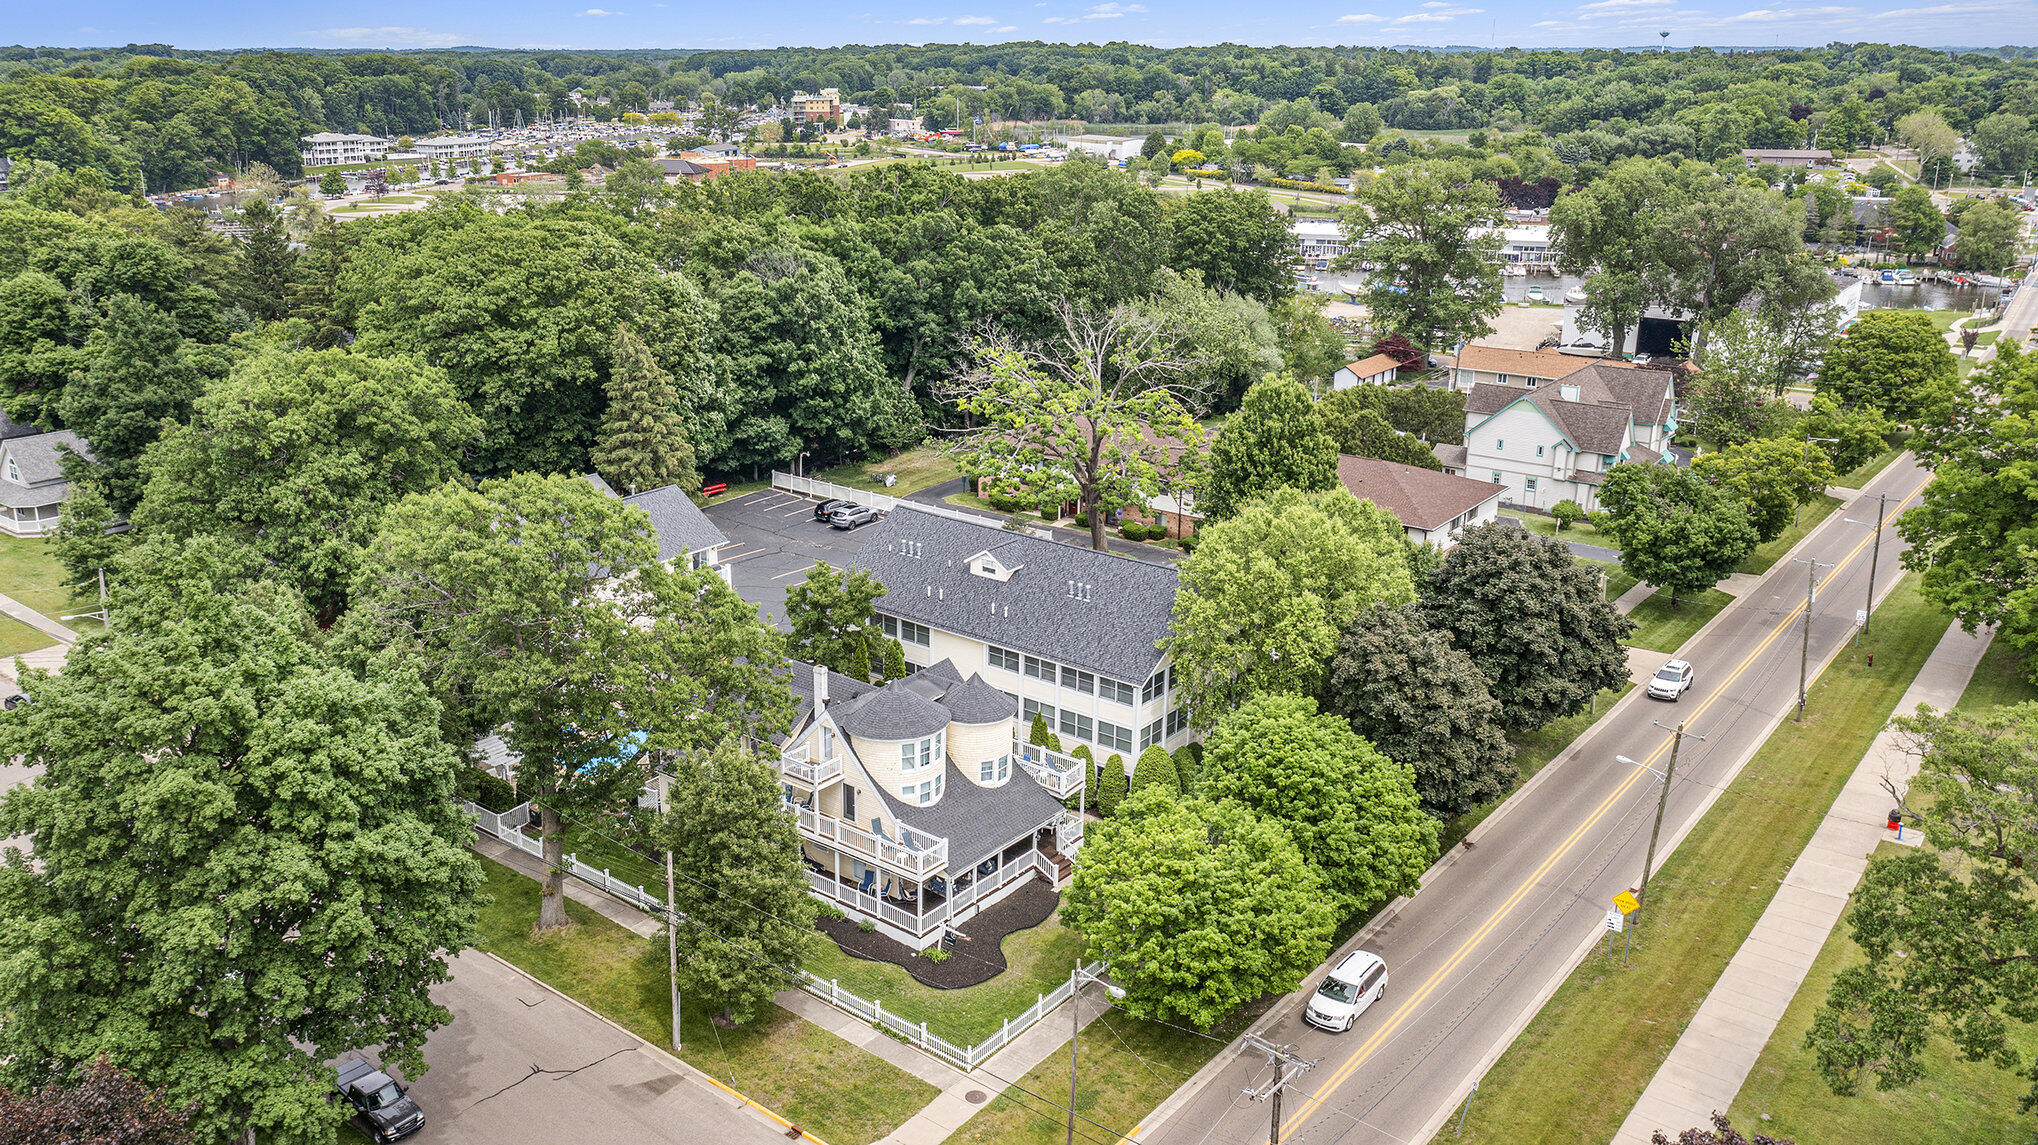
(1677, 735)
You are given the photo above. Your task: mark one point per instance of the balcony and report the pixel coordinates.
(1059, 775)
(926, 856)
(795, 766)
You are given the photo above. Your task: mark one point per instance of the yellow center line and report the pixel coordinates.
(1415, 1000)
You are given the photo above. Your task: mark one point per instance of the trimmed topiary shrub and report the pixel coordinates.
(1039, 736)
(1189, 766)
(1112, 786)
(1156, 768)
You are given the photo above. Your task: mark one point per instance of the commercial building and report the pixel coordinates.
(451, 147)
(824, 106)
(1112, 147)
(328, 148)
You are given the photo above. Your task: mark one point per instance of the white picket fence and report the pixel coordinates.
(965, 1058)
(824, 490)
(507, 827)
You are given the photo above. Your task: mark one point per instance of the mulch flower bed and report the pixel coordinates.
(982, 941)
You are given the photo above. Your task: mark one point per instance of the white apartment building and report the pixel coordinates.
(328, 147)
(451, 147)
(1068, 633)
(1319, 243)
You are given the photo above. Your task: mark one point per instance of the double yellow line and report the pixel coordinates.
(1415, 1000)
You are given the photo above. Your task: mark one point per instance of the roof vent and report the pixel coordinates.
(1078, 590)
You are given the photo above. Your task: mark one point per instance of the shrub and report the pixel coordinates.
(1155, 768)
(1113, 787)
(1567, 512)
(1132, 531)
(827, 910)
(1050, 512)
(1082, 520)
(865, 925)
(935, 954)
(1190, 542)
(483, 789)
(1040, 736)
(1188, 766)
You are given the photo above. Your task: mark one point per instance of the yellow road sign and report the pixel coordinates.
(1627, 902)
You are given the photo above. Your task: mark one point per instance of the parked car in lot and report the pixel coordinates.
(825, 508)
(1355, 983)
(1671, 681)
(380, 1109)
(854, 516)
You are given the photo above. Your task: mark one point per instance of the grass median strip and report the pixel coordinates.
(1809, 517)
(1662, 625)
(801, 1071)
(1578, 1068)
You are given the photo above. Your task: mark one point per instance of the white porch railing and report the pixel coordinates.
(917, 920)
(824, 490)
(965, 1058)
(929, 856)
(1059, 775)
(1068, 833)
(795, 767)
(507, 827)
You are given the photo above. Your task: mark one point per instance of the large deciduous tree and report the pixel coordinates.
(1610, 231)
(739, 882)
(1236, 239)
(1427, 229)
(1098, 415)
(1404, 688)
(1266, 593)
(1918, 225)
(1731, 244)
(834, 621)
(1352, 811)
(105, 1105)
(247, 859)
(1988, 236)
(1892, 361)
(142, 374)
(1974, 532)
(1949, 932)
(643, 442)
(1275, 440)
(1197, 906)
(1772, 476)
(1531, 618)
(540, 605)
(297, 454)
(1675, 529)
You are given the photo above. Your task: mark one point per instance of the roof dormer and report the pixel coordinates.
(985, 564)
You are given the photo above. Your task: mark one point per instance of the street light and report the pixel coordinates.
(1874, 553)
(1797, 504)
(1677, 735)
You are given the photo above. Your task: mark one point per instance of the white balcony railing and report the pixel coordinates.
(928, 855)
(1059, 775)
(795, 767)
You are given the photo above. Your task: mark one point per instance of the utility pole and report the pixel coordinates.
(1677, 735)
(672, 945)
(1287, 1067)
(1874, 554)
(1804, 655)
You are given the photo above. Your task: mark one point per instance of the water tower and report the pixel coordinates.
(1666, 40)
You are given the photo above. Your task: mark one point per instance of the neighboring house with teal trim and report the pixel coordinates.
(1556, 441)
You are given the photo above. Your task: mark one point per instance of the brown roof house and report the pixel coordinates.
(1555, 442)
(1377, 370)
(1432, 507)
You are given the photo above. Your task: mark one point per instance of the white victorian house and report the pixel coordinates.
(1555, 440)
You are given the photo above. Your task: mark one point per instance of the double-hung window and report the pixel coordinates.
(995, 770)
(1156, 687)
(1078, 679)
(906, 631)
(1177, 720)
(914, 755)
(1115, 690)
(1114, 737)
(1151, 734)
(1040, 669)
(1030, 707)
(1077, 725)
(1005, 658)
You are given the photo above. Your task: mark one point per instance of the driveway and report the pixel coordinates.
(521, 1063)
(773, 541)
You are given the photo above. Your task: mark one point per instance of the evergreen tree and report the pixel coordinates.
(1111, 787)
(643, 441)
(1040, 736)
(1155, 768)
(265, 266)
(743, 881)
(82, 542)
(895, 660)
(142, 373)
(1189, 767)
(1156, 144)
(1275, 439)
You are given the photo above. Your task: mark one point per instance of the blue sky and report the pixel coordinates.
(690, 23)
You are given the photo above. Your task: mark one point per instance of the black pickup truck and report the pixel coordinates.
(381, 1110)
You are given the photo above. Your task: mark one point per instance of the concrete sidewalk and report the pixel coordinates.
(1712, 1057)
(36, 620)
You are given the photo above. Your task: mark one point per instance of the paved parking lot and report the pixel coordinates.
(773, 541)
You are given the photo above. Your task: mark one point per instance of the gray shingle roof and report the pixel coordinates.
(974, 701)
(679, 523)
(1645, 391)
(893, 712)
(40, 458)
(1419, 498)
(1113, 632)
(979, 821)
(1594, 427)
(1452, 456)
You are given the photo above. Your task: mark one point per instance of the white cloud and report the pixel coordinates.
(1421, 18)
(389, 37)
(1006, 28)
(1623, 5)
(1059, 20)
(1550, 24)
(1361, 18)
(1112, 10)
(928, 20)
(600, 12)
(967, 21)
(1103, 15)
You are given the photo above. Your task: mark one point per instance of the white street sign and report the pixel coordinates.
(1615, 921)
(1860, 618)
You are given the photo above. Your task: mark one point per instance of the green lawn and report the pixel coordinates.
(606, 854)
(1955, 1103)
(1038, 960)
(1941, 320)
(801, 1071)
(1768, 553)
(1532, 750)
(1998, 681)
(1868, 469)
(1125, 1068)
(29, 573)
(917, 468)
(1662, 626)
(16, 637)
(1574, 1074)
(1583, 531)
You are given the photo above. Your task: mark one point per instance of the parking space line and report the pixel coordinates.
(741, 554)
(795, 572)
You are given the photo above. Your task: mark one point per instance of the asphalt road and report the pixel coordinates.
(1496, 928)
(520, 1063)
(2021, 315)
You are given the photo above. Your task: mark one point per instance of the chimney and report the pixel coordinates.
(820, 687)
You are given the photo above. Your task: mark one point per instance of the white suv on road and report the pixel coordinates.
(1356, 982)
(1671, 681)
